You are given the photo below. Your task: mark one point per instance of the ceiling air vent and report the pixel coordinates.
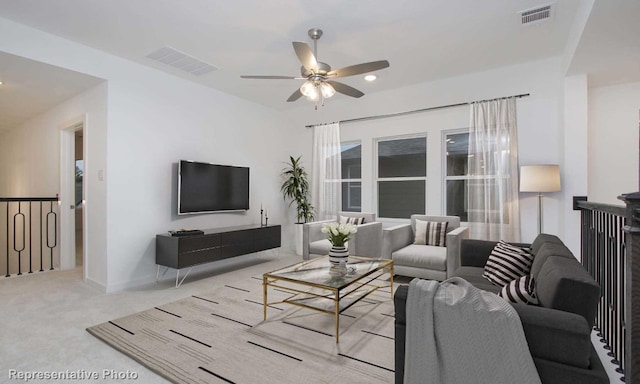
(171, 56)
(535, 15)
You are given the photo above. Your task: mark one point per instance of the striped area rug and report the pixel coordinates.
(220, 337)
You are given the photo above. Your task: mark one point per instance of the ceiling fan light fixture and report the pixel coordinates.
(327, 90)
(308, 88)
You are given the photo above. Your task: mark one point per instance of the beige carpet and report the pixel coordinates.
(219, 337)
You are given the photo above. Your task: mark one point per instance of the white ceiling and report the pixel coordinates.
(609, 48)
(423, 40)
(30, 88)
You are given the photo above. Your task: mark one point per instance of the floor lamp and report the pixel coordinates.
(540, 178)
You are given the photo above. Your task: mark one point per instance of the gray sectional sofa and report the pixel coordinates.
(558, 331)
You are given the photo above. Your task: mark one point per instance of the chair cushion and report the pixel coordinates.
(564, 284)
(521, 290)
(506, 263)
(545, 251)
(431, 233)
(421, 256)
(320, 247)
(543, 238)
(474, 276)
(351, 220)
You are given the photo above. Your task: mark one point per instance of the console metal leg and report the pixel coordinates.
(184, 277)
(158, 273)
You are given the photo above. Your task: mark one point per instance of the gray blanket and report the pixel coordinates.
(457, 333)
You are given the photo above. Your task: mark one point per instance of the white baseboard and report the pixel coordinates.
(202, 269)
(125, 285)
(95, 284)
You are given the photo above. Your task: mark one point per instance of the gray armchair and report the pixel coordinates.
(424, 261)
(366, 242)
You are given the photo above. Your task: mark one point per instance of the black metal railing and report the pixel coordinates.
(30, 229)
(607, 252)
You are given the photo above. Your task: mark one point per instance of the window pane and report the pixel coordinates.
(457, 154)
(401, 199)
(351, 196)
(485, 192)
(402, 158)
(351, 161)
(457, 199)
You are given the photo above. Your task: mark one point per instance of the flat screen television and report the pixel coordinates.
(204, 187)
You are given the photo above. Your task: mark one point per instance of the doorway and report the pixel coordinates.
(73, 196)
(79, 195)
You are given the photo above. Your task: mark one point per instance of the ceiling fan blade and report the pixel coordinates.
(268, 77)
(306, 56)
(295, 95)
(359, 69)
(345, 89)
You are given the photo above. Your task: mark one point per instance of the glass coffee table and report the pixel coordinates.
(312, 286)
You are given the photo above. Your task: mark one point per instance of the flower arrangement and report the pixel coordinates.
(338, 233)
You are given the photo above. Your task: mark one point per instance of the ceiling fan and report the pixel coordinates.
(319, 84)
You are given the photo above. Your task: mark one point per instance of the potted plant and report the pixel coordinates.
(296, 188)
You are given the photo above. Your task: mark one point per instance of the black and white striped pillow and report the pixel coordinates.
(351, 220)
(431, 233)
(506, 263)
(520, 290)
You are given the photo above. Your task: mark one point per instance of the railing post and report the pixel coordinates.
(632, 285)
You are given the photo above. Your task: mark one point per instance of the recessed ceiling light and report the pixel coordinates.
(0, 82)
(370, 77)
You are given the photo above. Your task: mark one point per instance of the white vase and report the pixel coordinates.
(338, 256)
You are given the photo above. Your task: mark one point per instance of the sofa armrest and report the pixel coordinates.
(554, 335)
(400, 305)
(394, 238)
(367, 241)
(454, 240)
(312, 232)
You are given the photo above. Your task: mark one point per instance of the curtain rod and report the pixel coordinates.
(416, 111)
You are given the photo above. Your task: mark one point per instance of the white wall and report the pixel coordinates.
(614, 112)
(575, 159)
(195, 123)
(539, 126)
(30, 158)
(153, 120)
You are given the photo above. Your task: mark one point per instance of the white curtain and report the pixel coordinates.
(326, 196)
(494, 210)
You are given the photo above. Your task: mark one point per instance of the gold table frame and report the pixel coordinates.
(314, 275)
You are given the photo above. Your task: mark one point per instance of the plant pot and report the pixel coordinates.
(338, 257)
(299, 234)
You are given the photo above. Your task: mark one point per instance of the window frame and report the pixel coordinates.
(377, 179)
(351, 180)
(445, 176)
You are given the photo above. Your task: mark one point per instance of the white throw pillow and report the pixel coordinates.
(506, 263)
(351, 220)
(521, 290)
(431, 233)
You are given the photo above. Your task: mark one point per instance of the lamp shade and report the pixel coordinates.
(540, 178)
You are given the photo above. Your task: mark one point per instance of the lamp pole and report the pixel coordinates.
(539, 213)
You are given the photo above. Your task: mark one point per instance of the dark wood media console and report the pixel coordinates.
(180, 252)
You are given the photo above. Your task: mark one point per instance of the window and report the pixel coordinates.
(456, 179)
(402, 176)
(351, 154)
